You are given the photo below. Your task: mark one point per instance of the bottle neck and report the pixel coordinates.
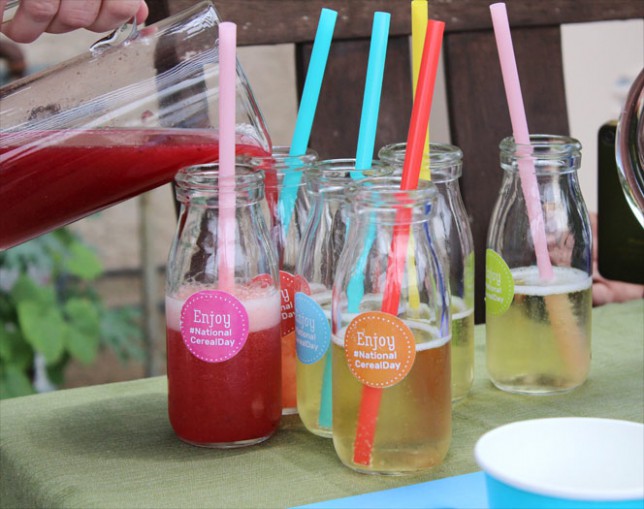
(282, 169)
(328, 180)
(382, 201)
(445, 161)
(547, 155)
(205, 186)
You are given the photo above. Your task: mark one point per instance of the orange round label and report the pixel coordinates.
(380, 349)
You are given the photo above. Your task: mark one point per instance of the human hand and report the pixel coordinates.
(34, 17)
(605, 290)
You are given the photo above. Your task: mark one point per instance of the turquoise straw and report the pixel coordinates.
(364, 160)
(325, 417)
(367, 140)
(306, 112)
(372, 92)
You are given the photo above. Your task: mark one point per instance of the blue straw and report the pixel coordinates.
(372, 91)
(325, 418)
(367, 140)
(306, 113)
(364, 161)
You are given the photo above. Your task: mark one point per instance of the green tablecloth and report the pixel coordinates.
(112, 445)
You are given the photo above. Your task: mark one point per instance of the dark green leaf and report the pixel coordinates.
(5, 343)
(82, 337)
(121, 332)
(81, 347)
(43, 327)
(26, 289)
(56, 372)
(82, 314)
(7, 308)
(82, 262)
(15, 350)
(14, 383)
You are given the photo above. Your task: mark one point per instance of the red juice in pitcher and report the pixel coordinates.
(51, 178)
(235, 401)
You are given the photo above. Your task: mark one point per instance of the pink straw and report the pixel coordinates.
(227, 102)
(527, 172)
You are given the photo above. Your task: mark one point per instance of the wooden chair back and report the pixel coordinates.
(477, 107)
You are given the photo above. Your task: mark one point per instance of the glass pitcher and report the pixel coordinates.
(629, 148)
(115, 122)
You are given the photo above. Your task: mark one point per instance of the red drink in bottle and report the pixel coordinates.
(236, 401)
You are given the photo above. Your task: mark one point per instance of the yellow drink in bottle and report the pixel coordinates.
(462, 348)
(314, 378)
(309, 391)
(531, 348)
(414, 421)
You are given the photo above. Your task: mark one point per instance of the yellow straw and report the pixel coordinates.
(418, 29)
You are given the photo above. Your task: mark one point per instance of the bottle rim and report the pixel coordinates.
(331, 175)
(548, 153)
(281, 161)
(385, 193)
(546, 146)
(204, 180)
(445, 160)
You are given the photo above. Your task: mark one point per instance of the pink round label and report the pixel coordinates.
(214, 325)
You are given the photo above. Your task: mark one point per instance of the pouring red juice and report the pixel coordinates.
(52, 178)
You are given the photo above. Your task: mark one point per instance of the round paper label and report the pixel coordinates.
(214, 325)
(312, 330)
(499, 283)
(380, 349)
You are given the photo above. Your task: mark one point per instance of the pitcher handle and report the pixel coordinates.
(9, 11)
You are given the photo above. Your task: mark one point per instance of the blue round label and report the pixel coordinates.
(312, 330)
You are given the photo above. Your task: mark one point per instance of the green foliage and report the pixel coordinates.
(48, 306)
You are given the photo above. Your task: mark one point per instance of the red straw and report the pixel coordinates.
(370, 402)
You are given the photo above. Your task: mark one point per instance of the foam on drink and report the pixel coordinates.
(262, 305)
(414, 423)
(567, 280)
(234, 402)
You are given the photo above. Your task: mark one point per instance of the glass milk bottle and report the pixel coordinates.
(223, 320)
(322, 243)
(286, 210)
(538, 326)
(391, 358)
(452, 224)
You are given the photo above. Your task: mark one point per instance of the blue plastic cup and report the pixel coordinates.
(575, 462)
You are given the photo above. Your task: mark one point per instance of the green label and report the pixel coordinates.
(499, 285)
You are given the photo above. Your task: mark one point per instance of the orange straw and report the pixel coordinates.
(371, 396)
